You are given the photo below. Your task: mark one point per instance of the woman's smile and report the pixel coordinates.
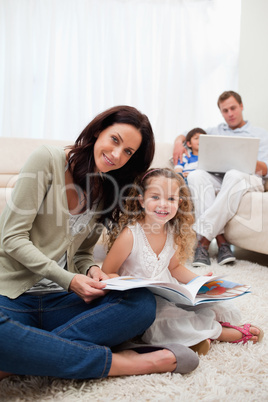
(107, 160)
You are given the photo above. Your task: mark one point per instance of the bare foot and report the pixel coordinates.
(129, 362)
(232, 334)
(3, 374)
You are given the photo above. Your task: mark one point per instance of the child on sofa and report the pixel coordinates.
(152, 239)
(189, 162)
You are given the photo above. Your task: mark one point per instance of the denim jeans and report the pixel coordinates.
(60, 335)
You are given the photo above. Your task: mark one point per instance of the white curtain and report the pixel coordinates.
(64, 61)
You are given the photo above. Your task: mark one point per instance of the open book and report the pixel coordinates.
(202, 289)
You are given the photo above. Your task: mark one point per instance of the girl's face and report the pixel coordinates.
(115, 145)
(160, 200)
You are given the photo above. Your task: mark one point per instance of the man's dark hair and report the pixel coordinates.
(226, 95)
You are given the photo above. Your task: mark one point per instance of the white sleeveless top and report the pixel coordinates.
(143, 261)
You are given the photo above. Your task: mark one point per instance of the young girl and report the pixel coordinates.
(155, 239)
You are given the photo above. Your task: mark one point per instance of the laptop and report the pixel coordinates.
(218, 153)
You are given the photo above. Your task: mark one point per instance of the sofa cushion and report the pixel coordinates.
(163, 153)
(15, 152)
(248, 228)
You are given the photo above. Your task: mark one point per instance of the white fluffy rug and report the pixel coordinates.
(228, 372)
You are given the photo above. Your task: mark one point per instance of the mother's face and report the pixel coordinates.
(115, 146)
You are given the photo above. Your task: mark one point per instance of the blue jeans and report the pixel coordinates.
(59, 335)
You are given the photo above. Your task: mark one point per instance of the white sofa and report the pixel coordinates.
(248, 229)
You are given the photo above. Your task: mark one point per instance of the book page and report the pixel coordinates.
(199, 290)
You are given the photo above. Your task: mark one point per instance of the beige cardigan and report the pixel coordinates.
(34, 228)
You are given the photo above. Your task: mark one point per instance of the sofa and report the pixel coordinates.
(248, 229)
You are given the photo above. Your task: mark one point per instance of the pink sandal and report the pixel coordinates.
(246, 335)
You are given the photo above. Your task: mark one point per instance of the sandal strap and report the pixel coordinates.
(246, 335)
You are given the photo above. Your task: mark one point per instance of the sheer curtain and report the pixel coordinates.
(64, 61)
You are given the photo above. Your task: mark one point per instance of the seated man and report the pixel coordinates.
(216, 198)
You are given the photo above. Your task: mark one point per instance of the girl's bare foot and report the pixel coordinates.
(129, 362)
(232, 334)
(3, 374)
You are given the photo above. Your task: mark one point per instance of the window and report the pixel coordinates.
(64, 61)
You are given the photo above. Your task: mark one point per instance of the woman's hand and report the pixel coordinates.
(89, 287)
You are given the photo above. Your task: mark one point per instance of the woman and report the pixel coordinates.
(56, 319)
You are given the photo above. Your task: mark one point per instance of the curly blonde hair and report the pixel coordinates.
(181, 223)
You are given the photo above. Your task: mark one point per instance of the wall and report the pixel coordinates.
(253, 61)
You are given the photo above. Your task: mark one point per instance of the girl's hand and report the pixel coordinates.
(113, 275)
(209, 274)
(96, 273)
(89, 288)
